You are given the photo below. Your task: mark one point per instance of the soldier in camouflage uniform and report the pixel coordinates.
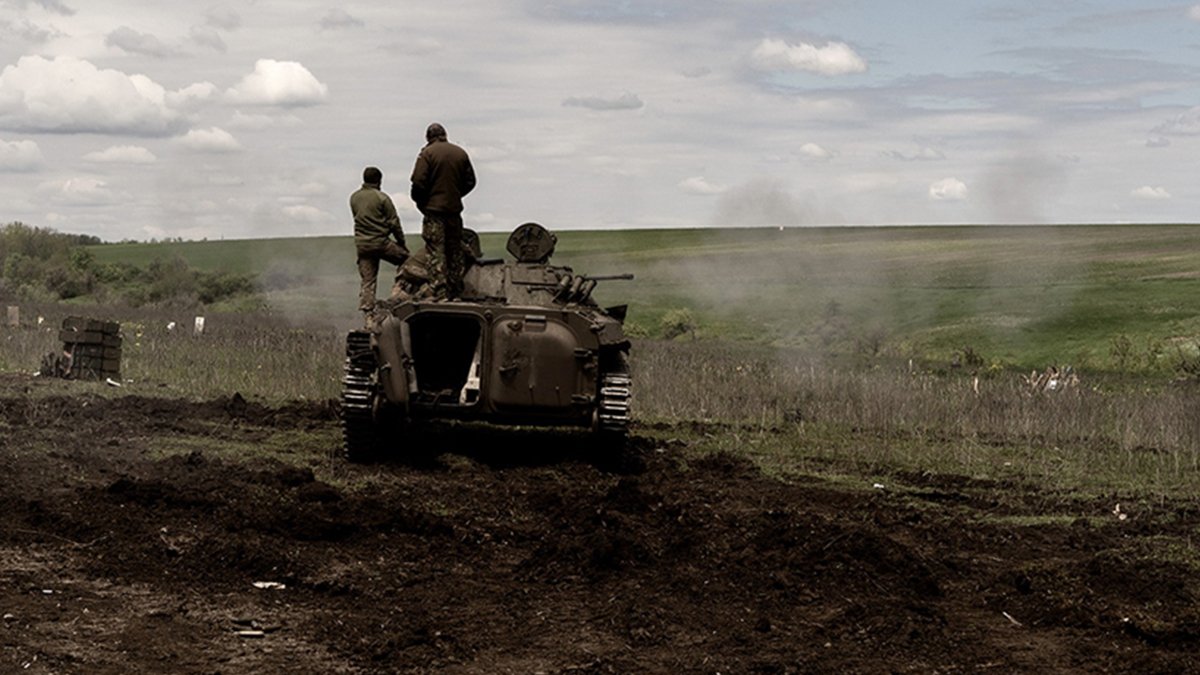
(375, 224)
(413, 277)
(442, 176)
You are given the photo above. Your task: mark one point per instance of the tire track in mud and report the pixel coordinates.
(516, 553)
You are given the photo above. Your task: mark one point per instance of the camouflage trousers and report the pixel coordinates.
(442, 233)
(368, 271)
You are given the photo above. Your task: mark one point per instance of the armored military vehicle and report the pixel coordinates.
(525, 344)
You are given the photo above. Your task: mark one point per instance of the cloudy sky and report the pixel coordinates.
(137, 119)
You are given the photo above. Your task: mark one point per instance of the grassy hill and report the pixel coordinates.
(1092, 296)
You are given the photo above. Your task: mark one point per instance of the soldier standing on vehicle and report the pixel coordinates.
(375, 223)
(442, 176)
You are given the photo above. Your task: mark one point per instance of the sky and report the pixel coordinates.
(145, 120)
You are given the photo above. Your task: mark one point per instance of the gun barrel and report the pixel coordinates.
(609, 277)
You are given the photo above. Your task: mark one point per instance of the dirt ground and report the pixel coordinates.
(126, 545)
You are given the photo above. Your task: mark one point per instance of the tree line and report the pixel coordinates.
(40, 264)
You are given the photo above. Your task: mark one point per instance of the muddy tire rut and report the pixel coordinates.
(135, 538)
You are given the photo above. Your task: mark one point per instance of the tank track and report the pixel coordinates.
(613, 405)
(359, 432)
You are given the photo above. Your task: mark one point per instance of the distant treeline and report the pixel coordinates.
(39, 264)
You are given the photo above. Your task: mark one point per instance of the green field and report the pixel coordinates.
(814, 348)
(1098, 297)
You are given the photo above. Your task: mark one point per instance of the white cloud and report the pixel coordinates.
(212, 140)
(282, 83)
(948, 190)
(865, 145)
(134, 42)
(19, 155)
(70, 95)
(626, 101)
(699, 185)
(1184, 124)
(814, 151)
(303, 213)
(121, 154)
(256, 122)
(191, 95)
(923, 154)
(1194, 12)
(1148, 192)
(834, 58)
(79, 192)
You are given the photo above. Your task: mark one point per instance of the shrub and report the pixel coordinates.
(117, 273)
(43, 264)
(635, 329)
(969, 358)
(678, 322)
(68, 283)
(1187, 363)
(1120, 349)
(217, 286)
(22, 270)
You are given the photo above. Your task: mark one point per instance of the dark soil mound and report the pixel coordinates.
(128, 545)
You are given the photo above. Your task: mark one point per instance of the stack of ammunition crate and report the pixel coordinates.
(93, 348)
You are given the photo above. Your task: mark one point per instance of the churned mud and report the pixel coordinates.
(133, 540)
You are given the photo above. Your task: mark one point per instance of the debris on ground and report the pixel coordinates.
(1051, 380)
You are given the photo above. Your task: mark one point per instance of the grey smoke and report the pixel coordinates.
(1017, 190)
(766, 203)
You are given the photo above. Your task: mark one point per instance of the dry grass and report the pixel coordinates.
(260, 356)
(1100, 433)
(784, 406)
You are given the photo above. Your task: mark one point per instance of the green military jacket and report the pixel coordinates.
(375, 218)
(442, 176)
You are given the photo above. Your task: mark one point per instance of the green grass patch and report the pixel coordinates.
(1020, 296)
